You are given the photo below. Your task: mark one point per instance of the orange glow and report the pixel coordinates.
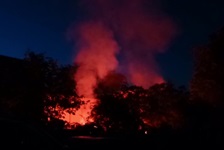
(96, 57)
(140, 35)
(82, 115)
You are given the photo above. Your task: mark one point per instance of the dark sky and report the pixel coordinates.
(41, 25)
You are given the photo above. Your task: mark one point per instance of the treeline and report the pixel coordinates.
(38, 89)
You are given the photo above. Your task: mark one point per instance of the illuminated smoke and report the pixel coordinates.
(96, 57)
(137, 27)
(141, 30)
(143, 75)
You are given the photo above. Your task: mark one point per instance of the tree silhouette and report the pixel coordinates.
(206, 89)
(133, 108)
(53, 86)
(164, 105)
(37, 89)
(113, 112)
(207, 83)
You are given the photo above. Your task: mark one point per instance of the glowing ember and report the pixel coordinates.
(146, 132)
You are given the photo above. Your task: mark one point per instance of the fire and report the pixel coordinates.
(96, 57)
(82, 115)
(140, 35)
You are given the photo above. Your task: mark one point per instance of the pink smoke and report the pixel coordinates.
(142, 31)
(96, 57)
(137, 29)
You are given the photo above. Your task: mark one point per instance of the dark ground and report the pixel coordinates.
(155, 142)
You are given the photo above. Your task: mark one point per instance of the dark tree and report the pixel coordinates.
(164, 104)
(37, 89)
(207, 83)
(132, 108)
(206, 89)
(113, 112)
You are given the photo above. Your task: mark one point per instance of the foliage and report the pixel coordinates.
(205, 113)
(132, 108)
(207, 83)
(53, 87)
(164, 105)
(113, 112)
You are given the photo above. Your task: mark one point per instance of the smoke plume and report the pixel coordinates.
(121, 35)
(140, 29)
(96, 57)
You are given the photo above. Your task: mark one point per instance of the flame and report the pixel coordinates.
(96, 57)
(140, 34)
(82, 115)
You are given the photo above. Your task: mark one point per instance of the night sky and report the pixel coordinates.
(42, 25)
